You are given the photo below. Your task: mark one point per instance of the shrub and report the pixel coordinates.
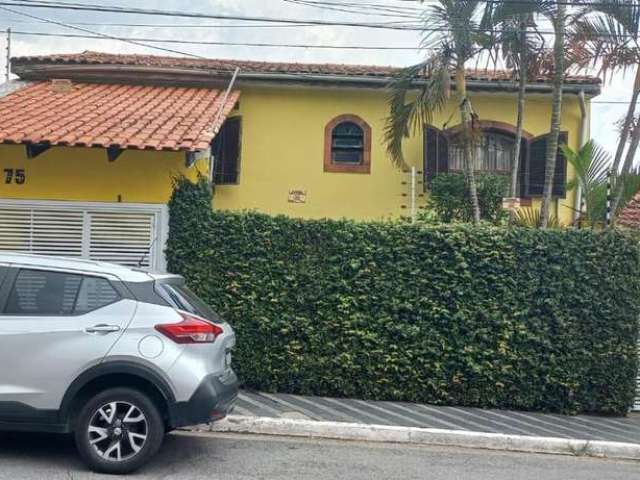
(449, 197)
(453, 315)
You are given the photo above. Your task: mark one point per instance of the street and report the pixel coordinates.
(231, 456)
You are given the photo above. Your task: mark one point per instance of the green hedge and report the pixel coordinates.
(452, 315)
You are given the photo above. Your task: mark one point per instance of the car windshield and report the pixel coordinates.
(182, 298)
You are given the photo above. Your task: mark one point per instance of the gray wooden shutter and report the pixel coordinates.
(436, 153)
(536, 167)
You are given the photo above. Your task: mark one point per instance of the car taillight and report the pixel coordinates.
(192, 329)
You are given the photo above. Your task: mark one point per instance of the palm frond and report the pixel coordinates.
(608, 36)
(412, 107)
(591, 165)
(529, 217)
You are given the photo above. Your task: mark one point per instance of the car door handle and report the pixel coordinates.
(102, 329)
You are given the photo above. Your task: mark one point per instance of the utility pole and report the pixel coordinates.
(8, 65)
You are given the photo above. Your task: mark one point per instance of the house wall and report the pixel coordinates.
(85, 174)
(282, 150)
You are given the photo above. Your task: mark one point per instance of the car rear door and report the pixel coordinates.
(54, 325)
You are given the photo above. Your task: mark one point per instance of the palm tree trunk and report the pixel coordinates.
(465, 119)
(626, 126)
(556, 112)
(626, 168)
(617, 181)
(522, 87)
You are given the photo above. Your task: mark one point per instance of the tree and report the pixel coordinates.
(452, 37)
(591, 164)
(558, 15)
(608, 36)
(521, 50)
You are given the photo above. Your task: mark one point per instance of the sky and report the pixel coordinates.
(603, 118)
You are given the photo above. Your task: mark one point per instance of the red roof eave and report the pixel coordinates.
(132, 117)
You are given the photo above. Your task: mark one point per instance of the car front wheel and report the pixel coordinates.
(118, 431)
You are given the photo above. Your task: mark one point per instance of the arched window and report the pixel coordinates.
(347, 145)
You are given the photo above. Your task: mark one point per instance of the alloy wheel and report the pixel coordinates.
(118, 431)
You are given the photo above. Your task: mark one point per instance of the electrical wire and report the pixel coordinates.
(204, 42)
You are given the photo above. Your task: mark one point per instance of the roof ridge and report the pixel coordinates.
(263, 66)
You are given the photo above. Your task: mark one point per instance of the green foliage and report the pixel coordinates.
(450, 314)
(449, 197)
(598, 207)
(530, 218)
(591, 164)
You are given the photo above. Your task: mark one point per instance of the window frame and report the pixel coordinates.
(329, 165)
(12, 276)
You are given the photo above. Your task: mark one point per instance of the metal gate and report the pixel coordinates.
(129, 234)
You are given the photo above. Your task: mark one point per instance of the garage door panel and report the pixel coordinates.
(127, 234)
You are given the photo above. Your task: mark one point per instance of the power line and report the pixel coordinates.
(168, 50)
(173, 13)
(268, 20)
(119, 9)
(204, 42)
(171, 25)
(357, 8)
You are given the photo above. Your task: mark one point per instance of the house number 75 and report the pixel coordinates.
(14, 176)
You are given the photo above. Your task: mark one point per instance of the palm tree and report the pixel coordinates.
(609, 36)
(591, 164)
(558, 15)
(519, 51)
(452, 37)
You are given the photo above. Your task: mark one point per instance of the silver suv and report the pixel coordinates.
(115, 355)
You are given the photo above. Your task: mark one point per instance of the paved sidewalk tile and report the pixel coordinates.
(584, 427)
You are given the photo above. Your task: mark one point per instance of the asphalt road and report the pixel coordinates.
(221, 457)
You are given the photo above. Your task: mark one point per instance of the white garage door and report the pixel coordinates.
(125, 233)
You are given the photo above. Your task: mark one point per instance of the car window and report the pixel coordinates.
(95, 293)
(182, 298)
(41, 292)
(38, 292)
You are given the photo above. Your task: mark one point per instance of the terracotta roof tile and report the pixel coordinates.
(247, 66)
(143, 117)
(630, 215)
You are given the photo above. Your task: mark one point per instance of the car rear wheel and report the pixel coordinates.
(118, 431)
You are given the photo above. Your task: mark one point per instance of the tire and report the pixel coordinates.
(118, 440)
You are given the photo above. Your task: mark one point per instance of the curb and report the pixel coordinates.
(424, 436)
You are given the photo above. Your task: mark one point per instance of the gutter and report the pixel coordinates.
(584, 134)
(189, 76)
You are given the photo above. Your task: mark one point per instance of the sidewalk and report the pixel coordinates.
(351, 419)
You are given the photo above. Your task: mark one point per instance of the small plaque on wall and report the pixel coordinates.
(511, 203)
(297, 196)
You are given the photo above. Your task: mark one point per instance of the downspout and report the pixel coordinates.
(584, 134)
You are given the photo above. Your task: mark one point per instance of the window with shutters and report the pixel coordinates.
(226, 153)
(493, 153)
(347, 145)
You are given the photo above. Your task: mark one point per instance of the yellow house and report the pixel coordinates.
(90, 143)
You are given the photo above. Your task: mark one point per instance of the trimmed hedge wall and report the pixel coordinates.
(453, 315)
